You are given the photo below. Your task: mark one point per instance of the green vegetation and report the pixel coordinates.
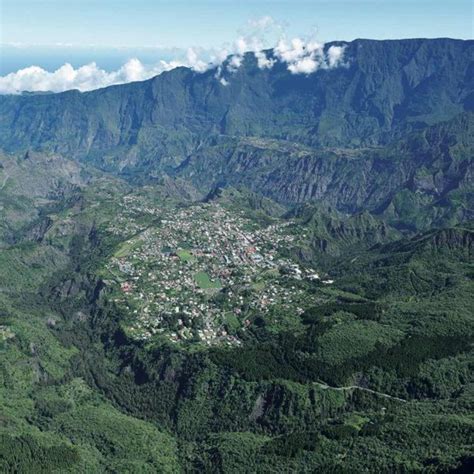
(205, 282)
(185, 256)
(375, 371)
(239, 296)
(361, 358)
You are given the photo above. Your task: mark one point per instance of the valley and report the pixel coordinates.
(273, 275)
(141, 297)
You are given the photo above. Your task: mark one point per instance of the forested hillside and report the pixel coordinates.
(273, 275)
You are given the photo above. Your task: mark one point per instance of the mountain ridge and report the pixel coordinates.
(388, 88)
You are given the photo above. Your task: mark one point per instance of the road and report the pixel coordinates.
(325, 386)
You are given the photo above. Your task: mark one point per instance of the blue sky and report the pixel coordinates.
(177, 23)
(50, 33)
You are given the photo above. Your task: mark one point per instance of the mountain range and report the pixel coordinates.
(389, 128)
(324, 222)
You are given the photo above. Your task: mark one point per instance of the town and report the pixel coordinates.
(203, 273)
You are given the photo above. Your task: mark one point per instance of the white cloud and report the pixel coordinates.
(306, 57)
(263, 61)
(218, 75)
(84, 78)
(133, 70)
(335, 56)
(241, 46)
(301, 57)
(260, 33)
(234, 63)
(303, 66)
(194, 62)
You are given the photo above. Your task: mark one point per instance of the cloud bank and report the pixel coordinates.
(84, 78)
(301, 56)
(307, 57)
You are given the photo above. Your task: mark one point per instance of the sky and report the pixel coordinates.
(110, 33)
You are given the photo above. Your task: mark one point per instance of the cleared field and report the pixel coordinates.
(205, 282)
(126, 248)
(186, 256)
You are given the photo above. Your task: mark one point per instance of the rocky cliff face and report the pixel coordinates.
(385, 89)
(390, 131)
(413, 182)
